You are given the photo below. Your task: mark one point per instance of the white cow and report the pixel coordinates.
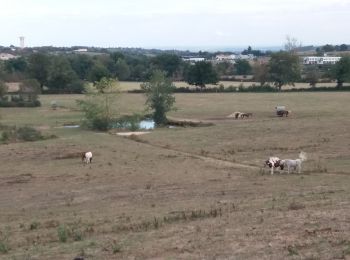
(295, 164)
(86, 157)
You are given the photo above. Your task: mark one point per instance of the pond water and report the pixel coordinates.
(147, 124)
(71, 126)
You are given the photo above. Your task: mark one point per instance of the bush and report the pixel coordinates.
(62, 233)
(19, 103)
(27, 133)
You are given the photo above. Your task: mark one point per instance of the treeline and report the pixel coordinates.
(67, 72)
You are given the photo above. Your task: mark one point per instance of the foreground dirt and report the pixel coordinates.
(138, 201)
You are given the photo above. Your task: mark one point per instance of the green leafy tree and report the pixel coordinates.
(16, 65)
(170, 63)
(341, 71)
(122, 69)
(98, 71)
(99, 105)
(38, 67)
(81, 64)
(284, 69)
(29, 89)
(159, 96)
(261, 73)
(312, 76)
(224, 68)
(62, 77)
(328, 48)
(201, 73)
(243, 67)
(3, 89)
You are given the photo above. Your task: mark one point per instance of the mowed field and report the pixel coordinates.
(181, 193)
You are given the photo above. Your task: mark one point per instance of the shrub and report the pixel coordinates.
(34, 225)
(62, 233)
(27, 133)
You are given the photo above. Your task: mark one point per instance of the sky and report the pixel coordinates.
(173, 24)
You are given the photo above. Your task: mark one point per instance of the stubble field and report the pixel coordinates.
(181, 193)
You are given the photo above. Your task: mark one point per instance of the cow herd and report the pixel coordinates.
(289, 164)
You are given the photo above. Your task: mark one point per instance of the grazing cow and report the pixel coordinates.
(283, 113)
(86, 157)
(247, 115)
(274, 162)
(294, 164)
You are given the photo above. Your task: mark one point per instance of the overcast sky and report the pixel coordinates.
(173, 23)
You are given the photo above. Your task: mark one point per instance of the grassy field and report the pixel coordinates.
(181, 193)
(127, 85)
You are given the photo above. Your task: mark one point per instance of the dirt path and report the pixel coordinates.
(207, 159)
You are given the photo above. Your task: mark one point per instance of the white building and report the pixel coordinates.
(81, 50)
(7, 56)
(320, 60)
(223, 57)
(193, 59)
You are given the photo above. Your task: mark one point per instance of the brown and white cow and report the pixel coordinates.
(274, 162)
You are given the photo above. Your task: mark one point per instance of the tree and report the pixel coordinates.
(122, 69)
(3, 89)
(224, 68)
(99, 105)
(38, 67)
(291, 44)
(243, 67)
(62, 77)
(343, 47)
(312, 76)
(98, 71)
(159, 96)
(261, 73)
(341, 71)
(201, 73)
(81, 64)
(328, 48)
(29, 90)
(169, 63)
(16, 65)
(284, 69)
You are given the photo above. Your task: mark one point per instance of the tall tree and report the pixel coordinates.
(292, 44)
(201, 73)
(284, 69)
(98, 71)
(61, 75)
(159, 96)
(38, 67)
(3, 89)
(169, 63)
(81, 64)
(16, 65)
(99, 104)
(122, 69)
(261, 73)
(312, 76)
(243, 67)
(341, 71)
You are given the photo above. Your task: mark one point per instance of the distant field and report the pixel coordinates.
(127, 85)
(181, 193)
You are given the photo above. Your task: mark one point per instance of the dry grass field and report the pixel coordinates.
(127, 85)
(181, 193)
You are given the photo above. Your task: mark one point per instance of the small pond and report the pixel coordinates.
(133, 125)
(147, 124)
